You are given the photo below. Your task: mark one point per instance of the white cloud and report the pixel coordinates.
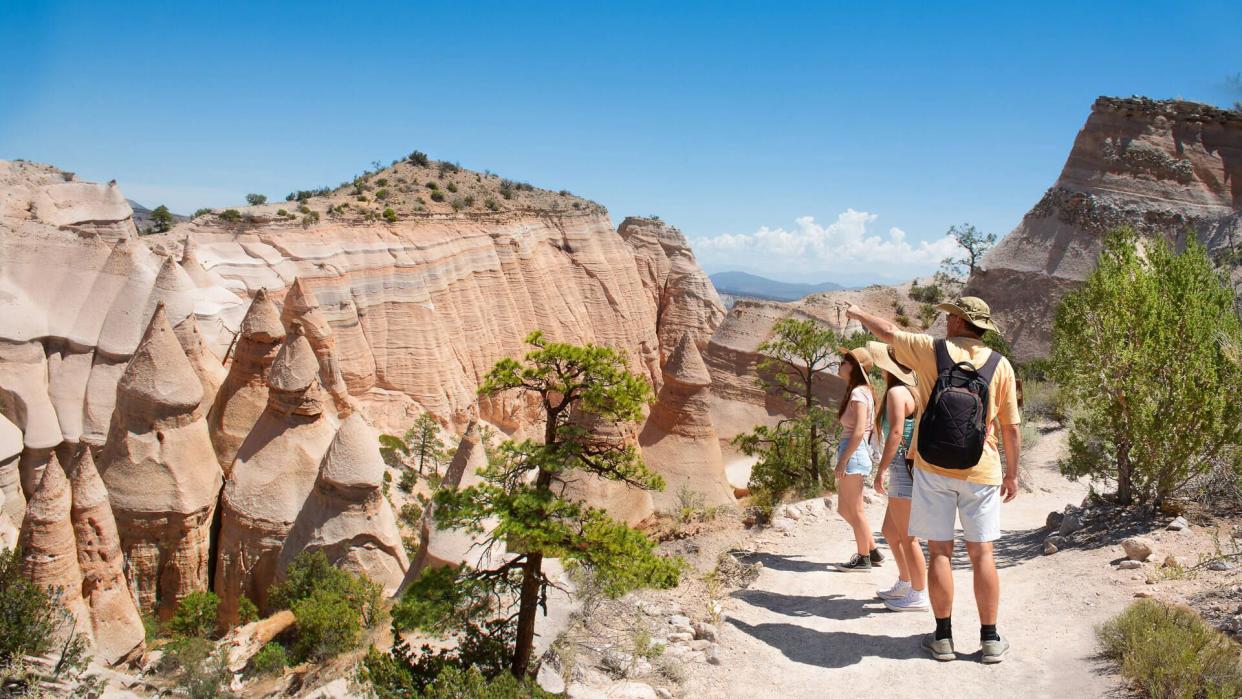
(843, 249)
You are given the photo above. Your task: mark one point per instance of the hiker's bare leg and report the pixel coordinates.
(896, 536)
(850, 505)
(940, 578)
(987, 582)
(915, 567)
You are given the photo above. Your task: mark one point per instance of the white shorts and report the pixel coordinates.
(938, 500)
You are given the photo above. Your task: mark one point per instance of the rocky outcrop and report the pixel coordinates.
(207, 366)
(679, 440)
(441, 547)
(274, 473)
(621, 501)
(301, 307)
(160, 471)
(347, 516)
(49, 549)
(1165, 168)
(13, 502)
(243, 396)
(115, 621)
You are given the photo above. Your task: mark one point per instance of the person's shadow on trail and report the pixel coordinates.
(831, 649)
(826, 606)
(776, 561)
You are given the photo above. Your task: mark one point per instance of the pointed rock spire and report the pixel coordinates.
(49, 548)
(301, 308)
(175, 290)
(117, 625)
(262, 321)
(685, 365)
(159, 375)
(353, 460)
(210, 370)
(295, 368)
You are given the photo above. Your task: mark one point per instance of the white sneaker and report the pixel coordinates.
(914, 601)
(899, 589)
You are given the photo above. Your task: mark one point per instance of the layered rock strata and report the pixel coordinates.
(49, 549)
(1164, 168)
(115, 621)
(679, 439)
(243, 396)
(274, 473)
(347, 516)
(161, 472)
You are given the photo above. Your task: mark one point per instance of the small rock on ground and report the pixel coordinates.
(549, 679)
(1129, 564)
(1137, 548)
(1178, 524)
(631, 690)
(1220, 566)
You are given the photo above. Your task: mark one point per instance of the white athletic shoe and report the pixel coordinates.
(914, 601)
(899, 589)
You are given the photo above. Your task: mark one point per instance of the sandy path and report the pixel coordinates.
(804, 631)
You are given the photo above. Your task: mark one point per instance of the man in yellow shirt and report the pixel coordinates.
(975, 493)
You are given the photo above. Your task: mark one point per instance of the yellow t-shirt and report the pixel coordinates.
(918, 352)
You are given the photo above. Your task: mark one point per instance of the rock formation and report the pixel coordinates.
(301, 306)
(1162, 168)
(275, 471)
(679, 440)
(347, 516)
(49, 549)
(207, 366)
(621, 501)
(243, 396)
(115, 621)
(13, 504)
(160, 471)
(441, 547)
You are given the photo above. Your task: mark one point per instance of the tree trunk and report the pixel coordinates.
(810, 403)
(1125, 495)
(529, 607)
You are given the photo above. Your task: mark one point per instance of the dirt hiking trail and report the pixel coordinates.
(804, 630)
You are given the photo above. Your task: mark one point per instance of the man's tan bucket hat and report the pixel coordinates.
(860, 354)
(973, 309)
(882, 357)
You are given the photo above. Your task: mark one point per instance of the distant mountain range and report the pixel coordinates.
(754, 286)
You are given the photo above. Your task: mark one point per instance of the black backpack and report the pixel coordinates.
(954, 425)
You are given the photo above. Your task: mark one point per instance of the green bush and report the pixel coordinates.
(1170, 653)
(381, 194)
(197, 615)
(1140, 353)
(328, 623)
(452, 187)
(437, 195)
(198, 667)
(1043, 400)
(458, 203)
(246, 610)
(256, 199)
(390, 215)
(282, 212)
(271, 659)
(930, 294)
(418, 158)
(310, 218)
(230, 215)
(31, 616)
(433, 186)
(200, 212)
(408, 478)
(491, 204)
(381, 182)
(390, 678)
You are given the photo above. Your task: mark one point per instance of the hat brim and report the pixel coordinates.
(880, 357)
(860, 355)
(954, 309)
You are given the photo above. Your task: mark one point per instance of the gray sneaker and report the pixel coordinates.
(994, 651)
(940, 650)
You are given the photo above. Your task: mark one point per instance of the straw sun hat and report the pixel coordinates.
(882, 356)
(860, 355)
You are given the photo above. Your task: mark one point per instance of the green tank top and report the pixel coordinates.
(907, 433)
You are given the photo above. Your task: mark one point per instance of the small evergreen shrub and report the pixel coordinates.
(200, 212)
(230, 215)
(270, 660)
(256, 199)
(437, 196)
(418, 158)
(390, 215)
(452, 187)
(197, 615)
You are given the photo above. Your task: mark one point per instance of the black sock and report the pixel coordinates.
(944, 628)
(987, 632)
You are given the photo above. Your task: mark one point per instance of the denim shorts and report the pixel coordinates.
(859, 464)
(900, 479)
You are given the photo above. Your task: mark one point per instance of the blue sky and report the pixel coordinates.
(779, 125)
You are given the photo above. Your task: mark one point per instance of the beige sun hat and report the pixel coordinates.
(973, 309)
(860, 354)
(882, 357)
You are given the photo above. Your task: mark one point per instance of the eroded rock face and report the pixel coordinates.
(210, 370)
(346, 515)
(679, 440)
(1158, 167)
(115, 621)
(161, 472)
(14, 502)
(243, 396)
(301, 307)
(441, 547)
(49, 549)
(274, 473)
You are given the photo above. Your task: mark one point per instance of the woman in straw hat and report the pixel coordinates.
(896, 426)
(856, 415)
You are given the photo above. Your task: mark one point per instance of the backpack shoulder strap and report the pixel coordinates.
(943, 361)
(989, 367)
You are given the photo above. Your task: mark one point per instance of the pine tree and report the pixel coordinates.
(576, 386)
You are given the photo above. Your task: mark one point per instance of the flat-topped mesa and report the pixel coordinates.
(161, 472)
(683, 295)
(301, 307)
(115, 621)
(273, 475)
(347, 516)
(445, 547)
(243, 395)
(1159, 167)
(679, 440)
(49, 548)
